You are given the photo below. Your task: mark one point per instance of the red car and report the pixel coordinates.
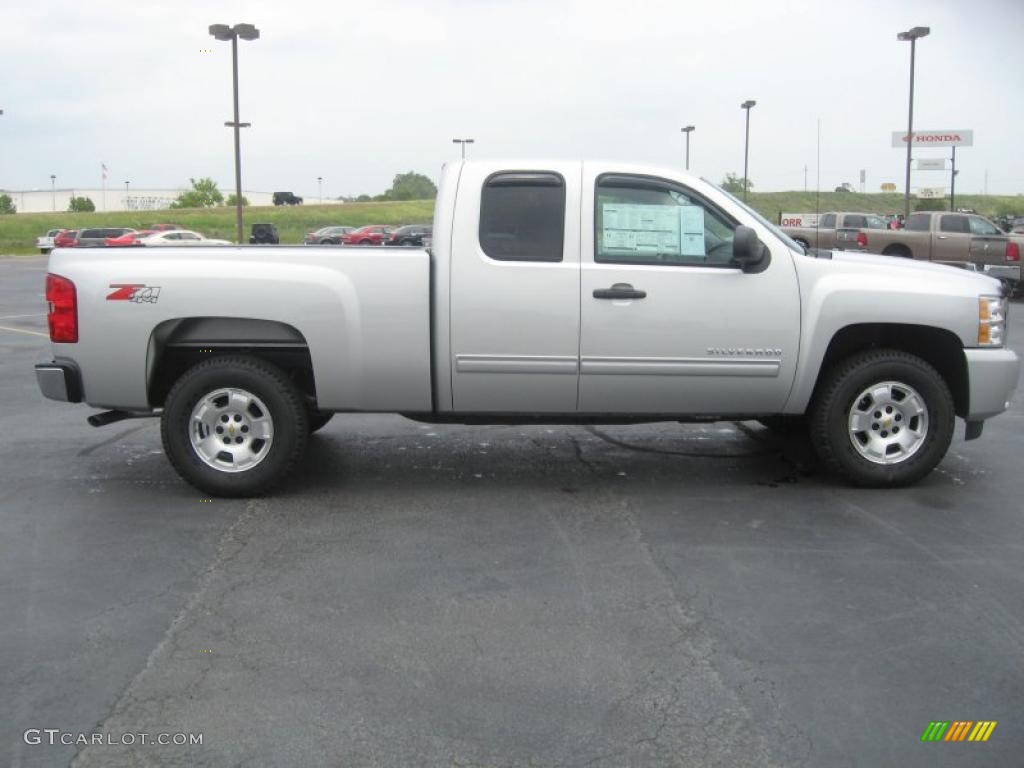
(372, 234)
(128, 238)
(66, 238)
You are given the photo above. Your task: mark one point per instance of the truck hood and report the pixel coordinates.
(922, 269)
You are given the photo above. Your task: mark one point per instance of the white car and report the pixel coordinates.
(181, 237)
(45, 243)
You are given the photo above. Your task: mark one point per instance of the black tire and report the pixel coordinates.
(272, 386)
(899, 251)
(366, 242)
(830, 411)
(318, 420)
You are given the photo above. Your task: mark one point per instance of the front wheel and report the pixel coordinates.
(234, 426)
(882, 419)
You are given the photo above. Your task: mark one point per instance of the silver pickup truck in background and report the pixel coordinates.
(554, 292)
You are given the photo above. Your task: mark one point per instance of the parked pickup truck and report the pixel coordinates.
(837, 230)
(555, 292)
(958, 239)
(45, 242)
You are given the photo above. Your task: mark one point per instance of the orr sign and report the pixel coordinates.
(961, 138)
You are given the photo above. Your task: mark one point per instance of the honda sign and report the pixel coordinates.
(962, 138)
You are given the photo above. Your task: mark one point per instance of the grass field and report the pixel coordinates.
(18, 232)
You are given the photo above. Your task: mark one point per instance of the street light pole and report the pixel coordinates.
(127, 200)
(320, 186)
(746, 105)
(463, 142)
(912, 35)
(687, 130)
(246, 32)
(53, 192)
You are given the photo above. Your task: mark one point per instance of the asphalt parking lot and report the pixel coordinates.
(467, 596)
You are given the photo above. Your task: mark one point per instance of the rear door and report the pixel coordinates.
(515, 272)
(952, 241)
(669, 325)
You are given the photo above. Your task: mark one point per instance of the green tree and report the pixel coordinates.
(733, 184)
(364, 199)
(204, 194)
(81, 205)
(411, 186)
(232, 198)
(7, 205)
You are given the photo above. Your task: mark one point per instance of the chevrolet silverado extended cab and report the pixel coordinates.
(555, 292)
(960, 239)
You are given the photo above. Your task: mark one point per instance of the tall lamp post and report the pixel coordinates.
(320, 187)
(746, 105)
(687, 130)
(463, 142)
(127, 199)
(245, 32)
(912, 35)
(53, 192)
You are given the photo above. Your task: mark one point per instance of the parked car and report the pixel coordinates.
(97, 237)
(180, 237)
(411, 234)
(45, 242)
(286, 198)
(1017, 225)
(264, 234)
(563, 292)
(373, 234)
(129, 238)
(326, 236)
(66, 238)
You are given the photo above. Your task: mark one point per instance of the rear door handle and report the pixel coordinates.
(619, 291)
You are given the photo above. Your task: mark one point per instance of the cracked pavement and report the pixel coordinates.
(655, 595)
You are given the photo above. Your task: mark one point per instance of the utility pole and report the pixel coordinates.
(912, 35)
(687, 130)
(746, 105)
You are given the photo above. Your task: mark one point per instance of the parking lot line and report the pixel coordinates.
(24, 330)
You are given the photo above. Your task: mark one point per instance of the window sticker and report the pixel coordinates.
(668, 230)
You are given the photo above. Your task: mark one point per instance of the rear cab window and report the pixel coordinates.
(522, 216)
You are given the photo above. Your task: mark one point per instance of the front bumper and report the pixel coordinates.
(993, 375)
(60, 381)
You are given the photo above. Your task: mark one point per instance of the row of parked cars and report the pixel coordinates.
(113, 237)
(372, 234)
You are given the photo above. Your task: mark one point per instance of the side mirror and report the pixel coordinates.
(748, 252)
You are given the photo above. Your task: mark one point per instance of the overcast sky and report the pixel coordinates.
(356, 92)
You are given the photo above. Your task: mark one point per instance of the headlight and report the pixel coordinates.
(991, 321)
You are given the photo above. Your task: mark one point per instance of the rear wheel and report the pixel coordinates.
(234, 426)
(883, 418)
(900, 251)
(366, 242)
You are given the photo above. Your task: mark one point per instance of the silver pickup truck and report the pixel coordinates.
(554, 292)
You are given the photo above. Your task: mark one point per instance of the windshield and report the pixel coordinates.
(790, 242)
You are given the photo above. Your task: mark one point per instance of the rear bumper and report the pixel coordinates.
(993, 375)
(60, 381)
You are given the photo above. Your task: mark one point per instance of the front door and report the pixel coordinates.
(668, 324)
(515, 282)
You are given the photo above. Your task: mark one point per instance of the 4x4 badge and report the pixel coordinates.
(137, 292)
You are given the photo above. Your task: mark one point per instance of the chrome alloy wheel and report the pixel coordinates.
(888, 422)
(231, 430)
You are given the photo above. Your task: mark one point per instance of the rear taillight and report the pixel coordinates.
(63, 314)
(862, 240)
(1012, 251)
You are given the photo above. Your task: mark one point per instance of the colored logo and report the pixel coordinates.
(958, 730)
(136, 292)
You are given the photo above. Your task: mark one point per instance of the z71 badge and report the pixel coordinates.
(140, 294)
